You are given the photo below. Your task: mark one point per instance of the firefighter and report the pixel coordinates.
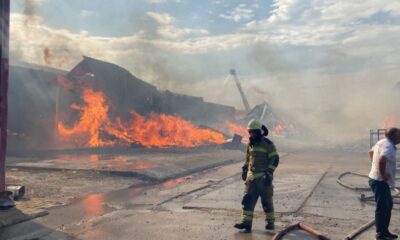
(257, 172)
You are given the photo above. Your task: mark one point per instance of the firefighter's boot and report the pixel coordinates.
(270, 226)
(243, 226)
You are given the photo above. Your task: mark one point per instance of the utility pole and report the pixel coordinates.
(4, 51)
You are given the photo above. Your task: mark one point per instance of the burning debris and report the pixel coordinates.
(126, 92)
(274, 122)
(96, 129)
(99, 104)
(262, 112)
(235, 128)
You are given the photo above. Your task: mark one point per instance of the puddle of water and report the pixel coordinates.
(140, 165)
(94, 204)
(124, 165)
(105, 162)
(135, 192)
(97, 204)
(172, 183)
(298, 234)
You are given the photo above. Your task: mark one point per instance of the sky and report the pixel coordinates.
(330, 63)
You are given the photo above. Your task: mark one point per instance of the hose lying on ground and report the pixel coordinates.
(339, 180)
(359, 230)
(363, 198)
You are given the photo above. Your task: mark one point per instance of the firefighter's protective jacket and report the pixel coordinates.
(262, 157)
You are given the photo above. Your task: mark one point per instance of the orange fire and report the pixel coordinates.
(279, 129)
(390, 122)
(63, 82)
(234, 128)
(92, 120)
(160, 130)
(95, 129)
(94, 157)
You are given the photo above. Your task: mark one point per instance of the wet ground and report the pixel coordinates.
(205, 203)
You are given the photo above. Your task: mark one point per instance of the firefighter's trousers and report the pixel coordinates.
(253, 190)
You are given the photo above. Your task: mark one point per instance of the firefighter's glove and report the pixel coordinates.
(267, 179)
(244, 172)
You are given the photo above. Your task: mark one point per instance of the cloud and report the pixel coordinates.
(85, 14)
(282, 10)
(156, 1)
(29, 41)
(357, 41)
(161, 18)
(171, 32)
(39, 2)
(324, 22)
(238, 13)
(348, 11)
(167, 30)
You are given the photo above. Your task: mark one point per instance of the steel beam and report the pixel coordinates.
(4, 53)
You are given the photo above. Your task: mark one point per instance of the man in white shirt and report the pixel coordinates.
(382, 178)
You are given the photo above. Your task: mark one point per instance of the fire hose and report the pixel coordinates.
(299, 226)
(359, 230)
(339, 181)
(363, 198)
(356, 232)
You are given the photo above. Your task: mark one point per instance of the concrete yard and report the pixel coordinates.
(187, 195)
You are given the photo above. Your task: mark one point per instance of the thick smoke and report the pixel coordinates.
(325, 89)
(31, 41)
(333, 97)
(29, 13)
(336, 100)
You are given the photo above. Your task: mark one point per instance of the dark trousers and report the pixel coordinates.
(384, 205)
(252, 191)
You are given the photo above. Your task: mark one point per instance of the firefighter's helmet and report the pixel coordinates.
(254, 125)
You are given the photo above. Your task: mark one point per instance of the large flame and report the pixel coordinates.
(234, 128)
(95, 129)
(92, 120)
(160, 130)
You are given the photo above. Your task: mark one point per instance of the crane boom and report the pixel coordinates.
(244, 99)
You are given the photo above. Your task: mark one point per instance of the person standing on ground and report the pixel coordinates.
(382, 178)
(257, 172)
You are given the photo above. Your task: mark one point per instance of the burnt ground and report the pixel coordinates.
(90, 203)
